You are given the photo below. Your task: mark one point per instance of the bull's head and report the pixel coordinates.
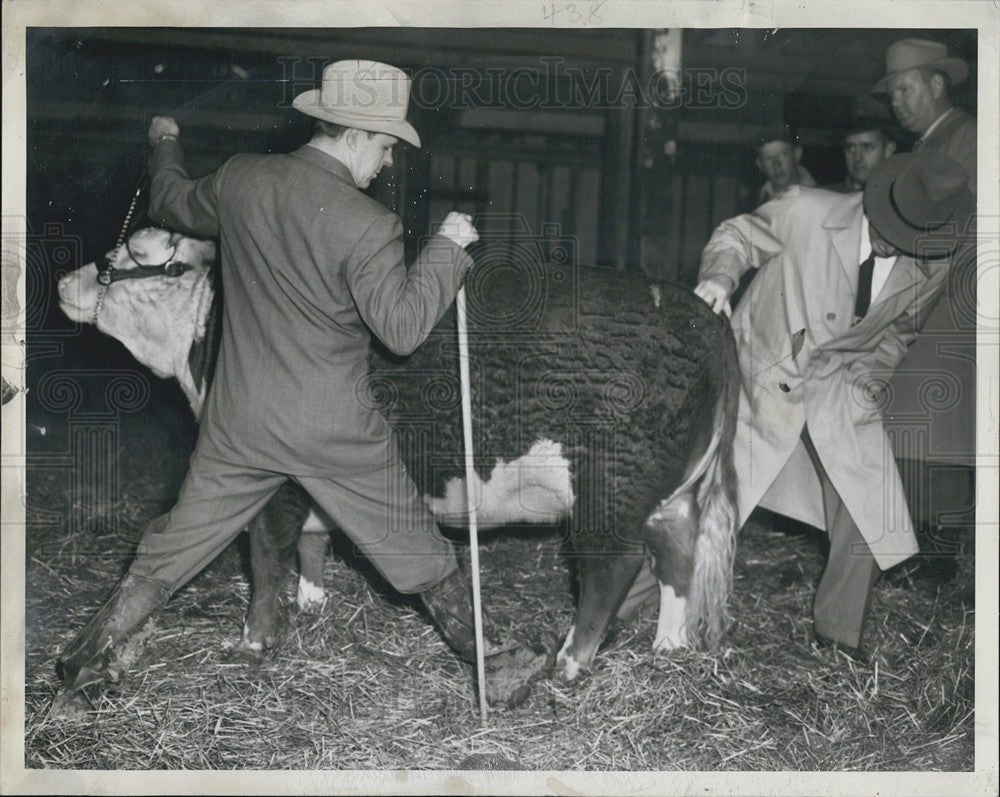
(156, 317)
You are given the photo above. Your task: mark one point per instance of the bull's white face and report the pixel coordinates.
(153, 316)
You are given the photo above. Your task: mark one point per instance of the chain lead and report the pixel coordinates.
(106, 281)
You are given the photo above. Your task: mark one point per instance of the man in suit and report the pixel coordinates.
(939, 461)
(818, 335)
(920, 78)
(311, 269)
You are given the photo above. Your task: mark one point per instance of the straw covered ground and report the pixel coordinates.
(368, 684)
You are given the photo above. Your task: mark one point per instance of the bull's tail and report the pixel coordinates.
(707, 614)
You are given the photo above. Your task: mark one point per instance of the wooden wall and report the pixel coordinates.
(551, 170)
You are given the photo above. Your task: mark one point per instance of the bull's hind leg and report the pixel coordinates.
(311, 595)
(606, 572)
(672, 534)
(273, 537)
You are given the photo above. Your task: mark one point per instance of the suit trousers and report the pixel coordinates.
(845, 587)
(380, 511)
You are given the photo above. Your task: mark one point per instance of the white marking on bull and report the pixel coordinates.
(317, 521)
(257, 647)
(655, 290)
(671, 632)
(570, 666)
(670, 510)
(535, 488)
(310, 597)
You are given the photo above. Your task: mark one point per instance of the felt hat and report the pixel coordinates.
(366, 95)
(920, 202)
(869, 114)
(909, 54)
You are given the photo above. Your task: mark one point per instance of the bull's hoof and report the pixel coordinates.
(568, 670)
(246, 652)
(70, 704)
(671, 641)
(570, 674)
(510, 675)
(310, 598)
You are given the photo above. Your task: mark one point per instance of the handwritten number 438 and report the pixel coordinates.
(573, 13)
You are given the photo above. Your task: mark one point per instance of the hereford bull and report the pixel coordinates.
(598, 398)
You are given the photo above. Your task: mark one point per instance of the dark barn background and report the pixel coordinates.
(503, 113)
(108, 441)
(542, 133)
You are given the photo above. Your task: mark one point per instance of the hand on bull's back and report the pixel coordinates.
(162, 126)
(716, 293)
(457, 227)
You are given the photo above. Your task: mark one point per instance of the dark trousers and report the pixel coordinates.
(844, 589)
(380, 511)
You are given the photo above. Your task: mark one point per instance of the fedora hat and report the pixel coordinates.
(909, 54)
(869, 114)
(366, 95)
(920, 202)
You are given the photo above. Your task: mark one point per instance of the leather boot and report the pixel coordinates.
(87, 658)
(511, 666)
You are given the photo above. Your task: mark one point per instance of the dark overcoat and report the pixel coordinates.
(935, 384)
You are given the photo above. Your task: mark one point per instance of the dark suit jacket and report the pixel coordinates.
(311, 268)
(946, 347)
(955, 136)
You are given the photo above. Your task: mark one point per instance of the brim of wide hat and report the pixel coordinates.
(308, 102)
(883, 216)
(862, 124)
(955, 68)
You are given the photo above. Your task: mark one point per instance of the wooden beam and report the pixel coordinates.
(414, 47)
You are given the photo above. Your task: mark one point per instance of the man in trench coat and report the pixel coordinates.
(814, 359)
(311, 269)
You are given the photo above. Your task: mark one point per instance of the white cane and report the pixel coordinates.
(470, 477)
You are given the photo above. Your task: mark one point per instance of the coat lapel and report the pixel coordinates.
(843, 224)
(939, 133)
(905, 275)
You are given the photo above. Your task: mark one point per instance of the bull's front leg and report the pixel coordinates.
(606, 572)
(273, 537)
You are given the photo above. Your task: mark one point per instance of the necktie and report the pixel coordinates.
(864, 298)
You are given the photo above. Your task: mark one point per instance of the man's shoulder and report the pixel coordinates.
(959, 125)
(844, 186)
(800, 200)
(256, 162)
(964, 118)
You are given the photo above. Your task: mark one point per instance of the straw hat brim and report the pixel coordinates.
(955, 68)
(308, 102)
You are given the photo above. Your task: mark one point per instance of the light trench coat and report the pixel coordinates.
(804, 362)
